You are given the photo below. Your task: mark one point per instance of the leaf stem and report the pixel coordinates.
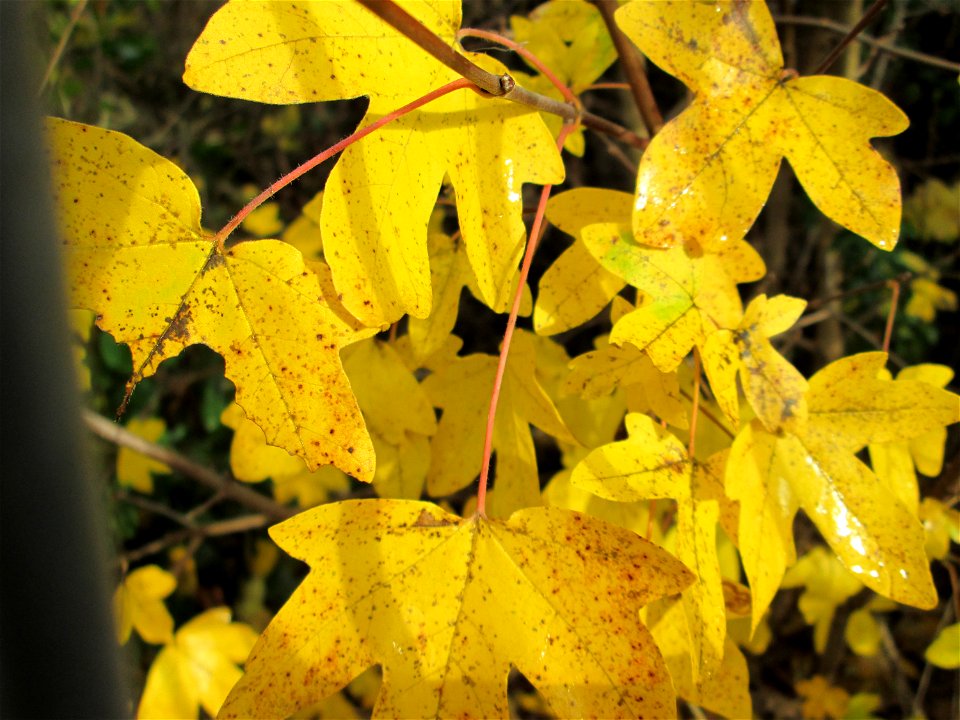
(318, 159)
(867, 18)
(535, 232)
(891, 316)
(632, 63)
(500, 86)
(526, 55)
(695, 407)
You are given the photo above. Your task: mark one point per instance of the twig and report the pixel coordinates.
(119, 435)
(62, 45)
(632, 63)
(500, 86)
(902, 278)
(886, 47)
(216, 529)
(867, 18)
(891, 316)
(924, 682)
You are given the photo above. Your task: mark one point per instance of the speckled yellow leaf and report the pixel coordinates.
(707, 174)
(134, 470)
(462, 390)
(850, 403)
(774, 388)
(379, 196)
(576, 287)
(650, 463)
(687, 293)
(726, 691)
(136, 254)
(446, 605)
(944, 651)
(198, 668)
(138, 603)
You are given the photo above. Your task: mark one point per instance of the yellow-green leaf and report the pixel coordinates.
(446, 605)
(379, 196)
(706, 175)
(136, 254)
(944, 651)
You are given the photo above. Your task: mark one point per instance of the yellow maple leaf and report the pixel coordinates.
(381, 192)
(197, 668)
(773, 387)
(707, 174)
(136, 254)
(135, 470)
(874, 535)
(463, 390)
(942, 524)
(138, 603)
(409, 586)
(933, 209)
(687, 292)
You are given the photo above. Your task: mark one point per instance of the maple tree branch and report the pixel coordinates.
(62, 45)
(526, 55)
(891, 316)
(333, 150)
(214, 529)
(499, 86)
(889, 48)
(632, 62)
(535, 232)
(119, 435)
(867, 18)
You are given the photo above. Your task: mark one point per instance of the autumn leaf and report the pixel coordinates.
(462, 390)
(198, 668)
(134, 470)
(707, 174)
(773, 387)
(138, 603)
(944, 651)
(687, 293)
(446, 606)
(576, 287)
(933, 212)
(379, 196)
(773, 475)
(136, 254)
(821, 699)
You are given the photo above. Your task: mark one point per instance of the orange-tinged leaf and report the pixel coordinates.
(446, 605)
(707, 174)
(379, 196)
(139, 258)
(650, 463)
(135, 470)
(138, 603)
(198, 668)
(821, 699)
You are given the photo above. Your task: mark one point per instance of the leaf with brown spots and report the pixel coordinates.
(137, 256)
(380, 195)
(706, 175)
(446, 605)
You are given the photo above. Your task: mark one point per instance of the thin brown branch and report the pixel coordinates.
(632, 63)
(215, 529)
(119, 435)
(62, 45)
(880, 45)
(500, 86)
(867, 18)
